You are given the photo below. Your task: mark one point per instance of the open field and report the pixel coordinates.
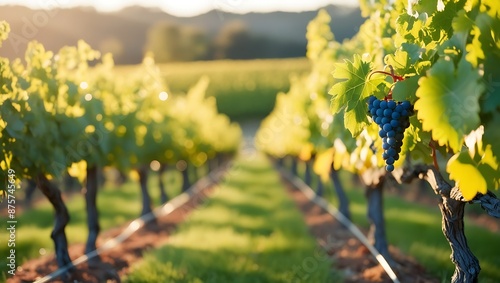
(243, 88)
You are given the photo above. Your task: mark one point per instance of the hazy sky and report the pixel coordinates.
(188, 7)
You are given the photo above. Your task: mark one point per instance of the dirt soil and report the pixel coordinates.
(349, 255)
(117, 261)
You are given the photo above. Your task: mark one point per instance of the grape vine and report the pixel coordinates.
(440, 111)
(59, 114)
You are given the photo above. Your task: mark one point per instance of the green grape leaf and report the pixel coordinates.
(14, 125)
(416, 142)
(355, 121)
(429, 6)
(399, 61)
(422, 67)
(350, 93)
(337, 127)
(414, 52)
(37, 126)
(407, 27)
(490, 101)
(492, 134)
(448, 103)
(444, 19)
(483, 51)
(405, 60)
(405, 90)
(58, 162)
(72, 93)
(462, 23)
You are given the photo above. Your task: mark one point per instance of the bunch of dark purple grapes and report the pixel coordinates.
(393, 119)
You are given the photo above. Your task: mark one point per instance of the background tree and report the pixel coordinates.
(170, 42)
(235, 41)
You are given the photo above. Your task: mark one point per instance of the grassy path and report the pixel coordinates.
(248, 231)
(117, 205)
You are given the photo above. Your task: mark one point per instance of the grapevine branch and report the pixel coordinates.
(488, 202)
(395, 79)
(434, 157)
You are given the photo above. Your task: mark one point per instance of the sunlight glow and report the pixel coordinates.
(187, 8)
(163, 96)
(84, 85)
(155, 165)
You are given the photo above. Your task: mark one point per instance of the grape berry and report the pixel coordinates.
(393, 119)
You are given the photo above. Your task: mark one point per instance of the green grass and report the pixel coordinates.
(248, 231)
(243, 88)
(416, 230)
(116, 207)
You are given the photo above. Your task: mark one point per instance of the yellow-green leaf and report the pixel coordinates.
(467, 176)
(448, 103)
(350, 93)
(78, 170)
(323, 164)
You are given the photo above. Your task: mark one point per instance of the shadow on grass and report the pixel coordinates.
(183, 264)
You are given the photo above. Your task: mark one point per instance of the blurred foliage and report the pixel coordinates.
(95, 116)
(170, 42)
(243, 88)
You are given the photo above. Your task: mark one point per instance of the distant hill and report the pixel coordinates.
(124, 32)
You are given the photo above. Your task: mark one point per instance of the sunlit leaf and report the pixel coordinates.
(323, 163)
(350, 93)
(306, 152)
(466, 175)
(448, 103)
(78, 170)
(405, 90)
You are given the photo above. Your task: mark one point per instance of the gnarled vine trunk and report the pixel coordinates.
(375, 213)
(374, 181)
(452, 209)
(91, 207)
(293, 167)
(30, 190)
(308, 172)
(211, 165)
(466, 264)
(161, 184)
(143, 181)
(280, 161)
(320, 190)
(339, 189)
(186, 184)
(58, 234)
